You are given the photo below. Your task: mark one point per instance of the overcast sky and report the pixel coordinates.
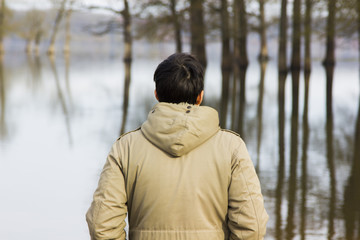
(28, 4)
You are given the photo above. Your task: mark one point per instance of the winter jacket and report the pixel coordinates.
(178, 177)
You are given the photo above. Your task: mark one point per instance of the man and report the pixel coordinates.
(179, 176)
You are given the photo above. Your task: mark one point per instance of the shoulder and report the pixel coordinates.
(232, 141)
(231, 135)
(127, 138)
(128, 134)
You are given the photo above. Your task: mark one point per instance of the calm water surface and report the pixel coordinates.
(59, 119)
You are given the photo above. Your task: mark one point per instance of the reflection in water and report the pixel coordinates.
(293, 155)
(263, 65)
(281, 166)
(34, 64)
(67, 77)
(234, 97)
(305, 144)
(3, 131)
(351, 206)
(242, 101)
(61, 97)
(291, 204)
(330, 151)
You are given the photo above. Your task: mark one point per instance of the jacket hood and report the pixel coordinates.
(179, 128)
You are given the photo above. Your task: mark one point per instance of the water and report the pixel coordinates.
(58, 121)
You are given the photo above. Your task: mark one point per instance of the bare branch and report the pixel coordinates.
(106, 9)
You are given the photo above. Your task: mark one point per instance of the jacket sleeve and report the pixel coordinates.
(247, 216)
(106, 216)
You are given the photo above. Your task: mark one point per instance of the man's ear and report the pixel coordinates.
(156, 96)
(199, 98)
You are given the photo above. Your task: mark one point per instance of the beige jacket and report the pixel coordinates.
(178, 177)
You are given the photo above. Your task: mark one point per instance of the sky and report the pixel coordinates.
(43, 4)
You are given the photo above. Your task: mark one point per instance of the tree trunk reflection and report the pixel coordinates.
(3, 128)
(263, 65)
(351, 207)
(304, 177)
(292, 189)
(61, 98)
(281, 166)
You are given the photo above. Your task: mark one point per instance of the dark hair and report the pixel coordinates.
(179, 78)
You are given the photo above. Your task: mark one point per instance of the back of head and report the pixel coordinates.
(179, 78)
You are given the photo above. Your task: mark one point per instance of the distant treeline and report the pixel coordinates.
(194, 22)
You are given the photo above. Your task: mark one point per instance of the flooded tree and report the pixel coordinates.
(358, 25)
(2, 25)
(31, 28)
(197, 31)
(306, 130)
(59, 16)
(67, 27)
(295, 75)
(329, 61)
(263, 56)
(5, 15)
(282, 52)
(307, 33)
(128, 45)
(282, 74)
(241, 61)
(127, 61)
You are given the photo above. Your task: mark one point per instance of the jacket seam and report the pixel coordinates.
(124, 134)
(252, 201)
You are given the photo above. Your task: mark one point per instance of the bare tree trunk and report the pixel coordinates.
(263, 56)
(296, 36)
(295, 58)
(308, 21)
(177, 26)
(330, 35)
(240, 61)
(226, 62)
(243, 61)
(358, 22)
(51, 49)
(127, 61)
(68, 29)
(197, 29)
(282, 60)
(236, 60)
(329, 61)
(2, 25)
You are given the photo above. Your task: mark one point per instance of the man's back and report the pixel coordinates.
(182, 178)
